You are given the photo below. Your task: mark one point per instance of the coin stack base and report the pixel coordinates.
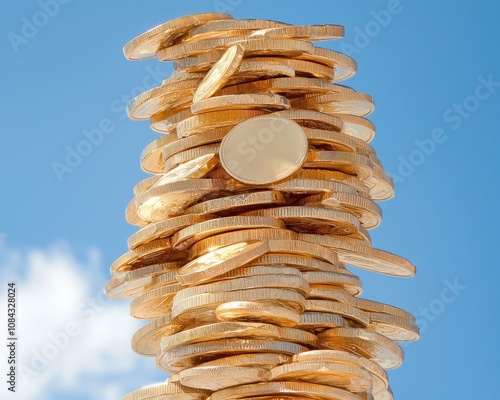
(263, 191)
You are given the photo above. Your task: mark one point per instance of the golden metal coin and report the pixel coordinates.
(188, 356)
(353, 103)
(237, 203)
(346, 281)
(349, 163)
(220, 261)
(276, 390)
(253, 153)
(327, 292)
(299, 262)
(186, 156)
(310, 33)
(259, 270)
(155, 303)
(376, 307)
(257, 312)
(178, 76)
(302, 248)
(194, 233)
(269, 102)
(302, 186)
(147, 44)
(167, 391)
(166, 121)
(320, 139)
(251, 70)
(198, 63)
(216, 29)
(258, 360)
(345, 67)
(357, 127)
(320, 321)
(313, 119)
(147, 340)
(365, 343)
(220, 73)
(274, 47)
(302, 68)
(380, 184)
(395, 328)
(216, 119)
(151, 157)
(346, 311)
(188, 49)
(196, 168)
(299, 336)
(345, 376)
(217, 378)
(355, 253)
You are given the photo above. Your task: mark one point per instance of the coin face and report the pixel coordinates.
(264, 150)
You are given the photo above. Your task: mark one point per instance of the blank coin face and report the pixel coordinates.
(264, 150)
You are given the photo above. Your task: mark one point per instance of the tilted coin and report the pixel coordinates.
(346, 311)
(376, 307)
(381, 184)
(187, 49)
(251, 70)
(151, 157)
(357, 127)
(362, 342)
(261, 270)
(394, 327)
(302, 68)
(310, 33)
(241, 102)
(178, 76)
(257, 312)
(327, 292)
(147, 44)
(167, 391)
(345, 67)
(322, 139)
(259, 360)
(349, 163)
(320, 321)
(220, 73)
(274, 47)
(253, 153)
(300, 262)
(155, 303)
(186, 237)
(189, 156)
(300, 248)
(313, 119)
(299, 336)
(346, 281)
(353, 103)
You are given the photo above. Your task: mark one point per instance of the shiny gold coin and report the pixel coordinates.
(217, 378)
(357, 127)
(158, 99)
(275, 390)
(320, 321)
(302, 186)
(147, 340)
(155, 303)
(326, 292)
(259, 270)
(302, 68)
(380, 184)
(220, 73)
(241, 102)
(166, 121)
(354, 253)
(313, 219)
(218, 29)
(310, 33)
(151, 157)
(299, 262)
(321, 139)
(376, 307)
(189, 156)
(255, 70)
(186, 237)
(198, 63)
(163, 229)
(299, 336)
(353, 103)
(178, 76)
(345, 67)
(344, 376)
(300, 248)
(220, 261)
(346, 311)
(237, 203)
(169, 200)
(313, 119)
(217, 330)
(362, 342)
(258, 360)
(216, 119)
(188, 356)
(136, 283)
(188, 49)
(147, 44)
(167, 391)
(349, 163)
(253, 153)
(395, 328)
(346, 281)
(274, 47)
(257, 312)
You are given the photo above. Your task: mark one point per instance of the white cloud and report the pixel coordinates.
(72, 341)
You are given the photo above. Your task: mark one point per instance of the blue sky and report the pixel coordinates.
(433, 69)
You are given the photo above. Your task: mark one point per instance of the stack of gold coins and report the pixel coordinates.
(263, 191)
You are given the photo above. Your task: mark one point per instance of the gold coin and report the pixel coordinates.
(194, 233)
(345, 67)
(352, 103)
(376, 307)
(147, 340)
(258, 360)
(220, 261)
(313, 119)
(241, 102)
(321, 139)
(218, 29)
(257, 312)
(253, 153)
(353, 252)
(259, 270)
(187, 356)
(302, 248)
(299, 262)
(313, 219)
(277, 390)
(274, 47)
(160, 98)
(167, 391)
(299, 336)
(155, 303)
(380, 184)
(151, 157)
(301, 186)
(169, 200)
(325, 292)
(237, 203)
(178, 76)
(216, 119)
(345, 376)
(220, 73)
(349, 163)
(217, 330)
(310, 33)
(357, 127)
(163, 229)
(166, 121)
(319, 321)
(346, 281)
(255, 70)
(187, 156)
(365, 343)
(147, 44)
(346, 311)
(217, 378)
(302, 68)
(188, 49)
(135, 283)
(198, 63)
(395, 328)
